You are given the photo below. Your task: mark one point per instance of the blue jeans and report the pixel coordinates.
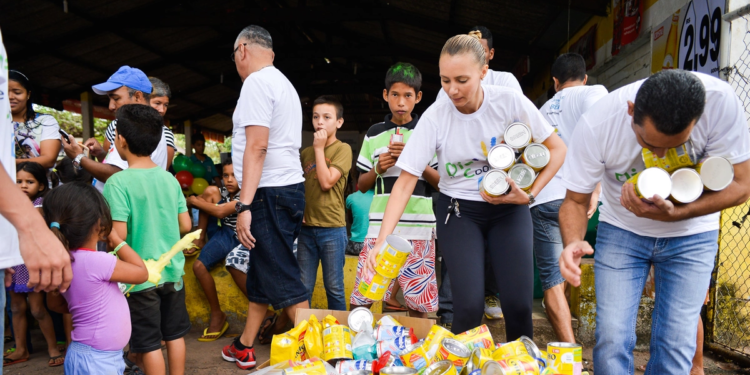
(682, 268)
(327, 246)
(274, 275)
(219, 244)
(548, 242)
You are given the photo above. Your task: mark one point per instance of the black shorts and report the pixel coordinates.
(157, 314)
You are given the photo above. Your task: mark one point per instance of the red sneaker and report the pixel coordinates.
(244, 359)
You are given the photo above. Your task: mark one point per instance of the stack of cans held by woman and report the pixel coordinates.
(681, 175)
(516, 157)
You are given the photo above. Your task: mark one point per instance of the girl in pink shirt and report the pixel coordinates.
(78, 214)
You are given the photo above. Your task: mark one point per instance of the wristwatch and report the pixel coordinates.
(77, 161)
(240, 208)
(531, 199)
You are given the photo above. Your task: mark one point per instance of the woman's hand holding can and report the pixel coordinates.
(514, 196)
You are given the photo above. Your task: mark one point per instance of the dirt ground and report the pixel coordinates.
(205, 359)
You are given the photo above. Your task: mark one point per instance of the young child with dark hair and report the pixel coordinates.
(78, 214)
(149, 211)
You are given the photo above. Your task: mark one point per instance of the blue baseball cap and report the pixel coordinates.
(125, 76)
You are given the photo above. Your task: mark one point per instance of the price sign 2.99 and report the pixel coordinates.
(700, 38)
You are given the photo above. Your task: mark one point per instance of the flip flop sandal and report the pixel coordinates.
(9, 351)
(53, 361)
(8, 339)
(62, 346)
(194, 253)
(391, 308)
(264, 336)
(10, 362)
(216, 335)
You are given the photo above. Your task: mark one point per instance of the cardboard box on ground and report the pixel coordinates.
(421, 326)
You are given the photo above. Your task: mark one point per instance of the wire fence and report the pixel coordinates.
(729, 308)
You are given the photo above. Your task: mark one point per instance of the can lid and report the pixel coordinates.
(358, 372)
(501, 156)
(492, 368)
(398, 370)
(456, 347)
(536, 155)
(531, 347)
(654, 181)
(563, 345)
(517, 135)
(438, 368)
(359, 316)
(494, 182)
(399, 243)
(522, 175)
(716, 173)
(686, 185)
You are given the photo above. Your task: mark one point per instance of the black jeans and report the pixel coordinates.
(503, 232)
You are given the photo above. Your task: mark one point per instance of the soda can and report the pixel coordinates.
(388, 320)
(415, 356)
(392, 332)
(397, 370)
(566, 358)
(522, 364)
(348, 366)
(394, 346)
(517, 135)
(441, 368)
(501, 157)
(509, 350)
(674, 158)
(523, 175)
(392, 256)
(373, 285)
(359, 316)
(686, 185)
(716, 172)
(494, 183)
(311, 368)
(454, 351)
(479, 337)
(652, 181)
(337, 343)
(536, 156)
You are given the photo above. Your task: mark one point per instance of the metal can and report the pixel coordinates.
(523, 175)
(566, 358)
(686, 185)
(374, 285)
(394, 346)
(674, 159)
(434, 337)
(358, 372)
(441, 368)
(454, 351)
(517, 135)
(501, 157)
(479, 337)
(311, 368)
(337, 343)
(392, 256)
(348, 366)
(415, 356)
(509, 350)
(392, 332)
(531, 347)
(522, 364)
(388, 320)
(652, 181)
(716, 172)
(359, 316)
(477, 359)
(494, 183)
(536, 156)
(397, 370)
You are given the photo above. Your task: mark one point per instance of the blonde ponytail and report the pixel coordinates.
(466, 43)
(476, 33)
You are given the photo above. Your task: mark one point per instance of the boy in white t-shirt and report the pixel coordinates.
(680, 240)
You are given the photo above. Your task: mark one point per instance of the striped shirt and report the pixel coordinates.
(109, 134)
(231, 220)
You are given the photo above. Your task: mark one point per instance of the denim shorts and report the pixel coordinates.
(218, 247)
(274, 275)
(82, 359)
(548, 242)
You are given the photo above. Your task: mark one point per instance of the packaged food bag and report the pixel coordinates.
(289, 346)
(314, 338)
(330, 320)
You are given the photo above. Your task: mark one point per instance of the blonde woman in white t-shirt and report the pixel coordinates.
(460, 131)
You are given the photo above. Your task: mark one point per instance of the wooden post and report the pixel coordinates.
(87, 114)
(188, 138)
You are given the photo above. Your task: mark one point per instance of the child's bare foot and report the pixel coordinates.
(16, 356)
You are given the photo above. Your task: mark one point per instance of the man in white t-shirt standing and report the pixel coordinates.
(680, 240)
(24, 236)
(573, 99)
(266, 140)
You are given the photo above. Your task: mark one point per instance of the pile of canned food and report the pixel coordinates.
(518, 158)
(681, 175)
(392, 349)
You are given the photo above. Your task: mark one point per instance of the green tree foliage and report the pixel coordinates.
(72, 123)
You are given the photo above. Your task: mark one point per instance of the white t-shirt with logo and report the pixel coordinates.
(604, 148)
(32, 133)
(269, 99)
(563, 112)
(493, 78)
(461, 141)
(9, 251)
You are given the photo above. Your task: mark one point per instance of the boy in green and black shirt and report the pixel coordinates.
(380, 150)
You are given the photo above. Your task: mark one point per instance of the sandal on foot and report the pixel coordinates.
(8, 362)
(265, 334)
(391, 308)
(53, 361)
(213, 336)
